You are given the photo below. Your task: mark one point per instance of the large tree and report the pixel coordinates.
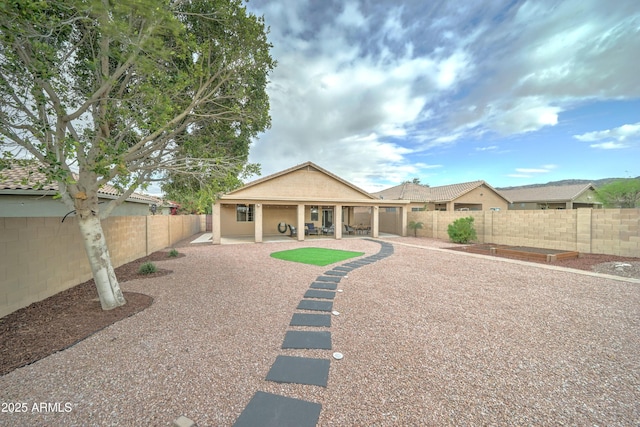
(623, 193)
(127, 92)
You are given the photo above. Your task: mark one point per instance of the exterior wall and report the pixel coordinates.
(230, 226)
(21, 206)
(586, 199)
(481, 198)
(301, 184)
(273, 215)
(389, 220)
(599, 231)
(43, 256)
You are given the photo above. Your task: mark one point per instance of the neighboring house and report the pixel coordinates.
(23, 195)
(552, 197)
(304, 194)
(471, 196)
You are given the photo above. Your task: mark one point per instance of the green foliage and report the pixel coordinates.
(415, 226)
(147, 268)
(462, 230)
(624, 193)
(173, 253)
(133, 91)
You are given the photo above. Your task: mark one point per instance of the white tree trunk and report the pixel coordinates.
(98, 254)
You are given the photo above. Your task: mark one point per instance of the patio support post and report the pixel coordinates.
(215, 223)
(338, 221)
(257, 222)
(403, 220)
(376, 219)
(300, 224)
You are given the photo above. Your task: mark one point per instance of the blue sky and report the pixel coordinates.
(511, 92)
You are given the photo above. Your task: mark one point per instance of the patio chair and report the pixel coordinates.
(328, 230)
(349, 229)
(292, 230)
(310, 228)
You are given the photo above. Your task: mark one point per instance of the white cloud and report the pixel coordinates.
(609, 145)
(548, 58)
(619, 137)
(365, 80)
(531, 170)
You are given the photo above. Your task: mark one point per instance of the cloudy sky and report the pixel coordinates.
(511, 92)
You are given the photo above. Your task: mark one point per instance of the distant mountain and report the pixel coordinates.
(596, 182)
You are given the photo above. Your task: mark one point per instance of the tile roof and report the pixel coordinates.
(27, 178)
(546, 193)
(422, 193)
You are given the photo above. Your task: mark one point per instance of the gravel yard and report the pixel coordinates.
(429, 337)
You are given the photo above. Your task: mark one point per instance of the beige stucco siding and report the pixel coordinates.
(231, 226)
(301, 185)
(484, 196)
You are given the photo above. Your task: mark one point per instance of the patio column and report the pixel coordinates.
(376, 219)
(300, 224)
(403, 220)
(338, 221)
(257, 222)
(215, 223)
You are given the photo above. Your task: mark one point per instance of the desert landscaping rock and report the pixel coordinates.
(430, 337)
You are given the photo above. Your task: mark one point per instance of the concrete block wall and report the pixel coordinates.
(40, 257)
(554, 229)
(616, 231)
(598, 231)
(157, 233)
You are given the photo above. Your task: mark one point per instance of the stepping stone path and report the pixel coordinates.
(267, 409)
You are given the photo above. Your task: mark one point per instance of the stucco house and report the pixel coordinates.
(308, 199)
(24, 192)
(472, 196)
(552, 197)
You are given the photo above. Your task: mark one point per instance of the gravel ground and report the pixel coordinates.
(430, 337)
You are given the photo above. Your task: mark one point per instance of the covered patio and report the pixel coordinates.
(304, 202)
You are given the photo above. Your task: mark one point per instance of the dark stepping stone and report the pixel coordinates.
(306, 304)
(328, 279)
(304, 319)
(335, 273)
(307, 340)
(341, 268)
(353, 265)
(324, 285)
(271, 410)
(312, 293)
(299, 370)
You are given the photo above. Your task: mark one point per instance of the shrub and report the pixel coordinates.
(461, 230)
(173, 253)
(147, 268)
(415, 226)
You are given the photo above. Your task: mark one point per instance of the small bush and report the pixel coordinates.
(147, 268)
(461, 230)
(173, 253)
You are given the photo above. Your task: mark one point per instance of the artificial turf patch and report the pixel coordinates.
(315, 256)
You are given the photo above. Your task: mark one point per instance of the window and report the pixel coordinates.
(314, 213)
(244, 213)
(418, 209)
